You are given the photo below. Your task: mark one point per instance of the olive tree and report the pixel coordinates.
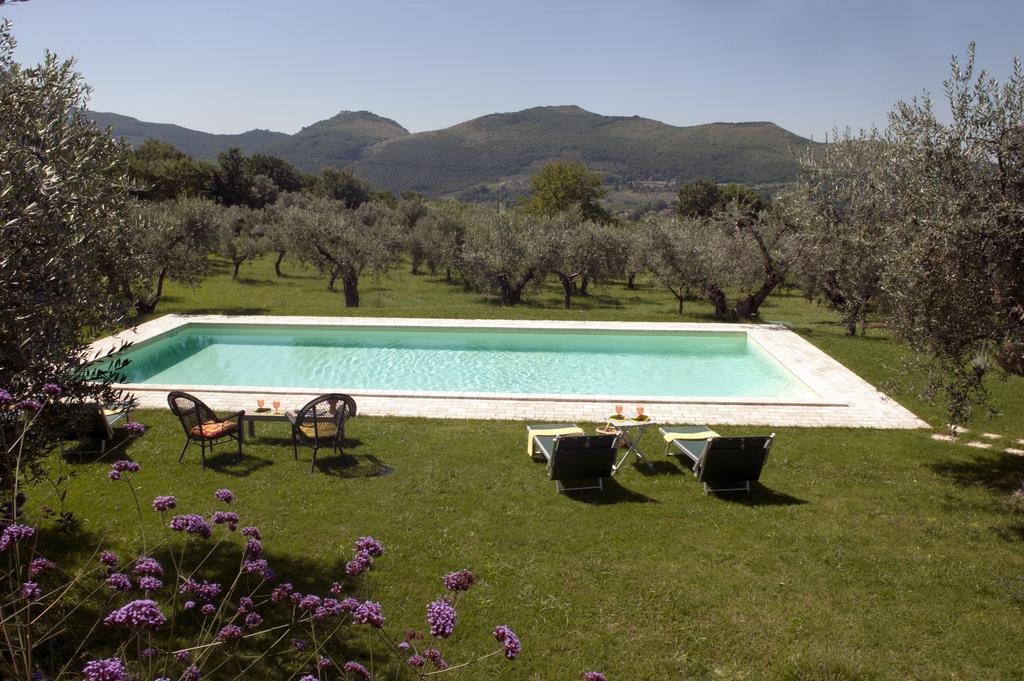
(579, 249)
(345, 243)
(64, 232)
(241, 235)
(442, 233)
(847, 223)
(175, 238)
(690, 258)
(954, 286)
(505, 251)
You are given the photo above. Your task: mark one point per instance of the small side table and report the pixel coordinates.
(632, 431)
(268, 416)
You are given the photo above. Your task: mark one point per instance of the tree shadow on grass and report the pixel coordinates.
(249, 281)
(997, 472)
(230, 310)
(93, 451)
(653, 468)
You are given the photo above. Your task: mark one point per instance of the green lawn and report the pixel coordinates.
(864, 555)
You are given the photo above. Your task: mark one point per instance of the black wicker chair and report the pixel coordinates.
(321, 422)
(202, 425)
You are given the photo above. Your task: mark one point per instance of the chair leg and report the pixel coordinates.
(202, 452)
(239, 445)
(182, 456)
(295, 446)
(312, 466)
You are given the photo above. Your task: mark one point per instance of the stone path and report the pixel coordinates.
(977, 444)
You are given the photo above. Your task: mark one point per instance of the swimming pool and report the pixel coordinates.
(450, 359)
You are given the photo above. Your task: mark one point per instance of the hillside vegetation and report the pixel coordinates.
(506, 148)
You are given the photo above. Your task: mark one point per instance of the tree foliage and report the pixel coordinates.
(343, 185)
(704, 197)
(504, 252)
(162, 172)
(562, 186)
(345, 243)
(64, 205)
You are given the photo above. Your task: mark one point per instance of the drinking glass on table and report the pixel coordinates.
(639, 412)
(259, 403)
(277, 406)
(618, 410)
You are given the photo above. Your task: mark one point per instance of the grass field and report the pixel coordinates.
(865, 554)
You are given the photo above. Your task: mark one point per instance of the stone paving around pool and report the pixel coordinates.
(843, 398)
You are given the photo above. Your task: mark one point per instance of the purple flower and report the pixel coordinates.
(208, 609)
(192, 524)
(309, 603)
(14, 534)
(148, 652)
(206, 591)
(459, 581)
(369, 613)
(253, 548)
(307, 677)
(39, 566)
(253, 620)
(434, 655)
(189, 605)
(119, 582)
(337, 588)
(125, 465)
(110, 669)
(357, 669)
(222, 517)
(28, 405)
(225, 495)
(509, 641)
(190, 674)
(51, 389)
(324, 663)
(348, 605)
(369, 545)
(164, 503)
(182, 656)
(149, 583)
(5, 397)
(148, 566)
(253, 532)
(30, 591)
(593, 676)
(109, 558)
(134, 428)
(404, 645)
(441, 618)
(245, 604)
(299, 644)
(258, 566)
(231, 632)
(415, 661)
(353, 568)
(141, 614)
(281, 592)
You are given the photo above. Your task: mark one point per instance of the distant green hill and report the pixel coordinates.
(506, 148)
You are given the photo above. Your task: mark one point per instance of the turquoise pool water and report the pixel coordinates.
(656, 364)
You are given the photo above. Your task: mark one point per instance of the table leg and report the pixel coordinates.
(252, 429)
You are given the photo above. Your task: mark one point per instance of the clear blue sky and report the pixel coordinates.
(229, 66)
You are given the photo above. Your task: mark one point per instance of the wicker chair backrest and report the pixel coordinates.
(332, 409)
(190, 410)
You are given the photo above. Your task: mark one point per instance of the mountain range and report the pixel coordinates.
(504, 148)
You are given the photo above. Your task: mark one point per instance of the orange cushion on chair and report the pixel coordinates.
(212, 429)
